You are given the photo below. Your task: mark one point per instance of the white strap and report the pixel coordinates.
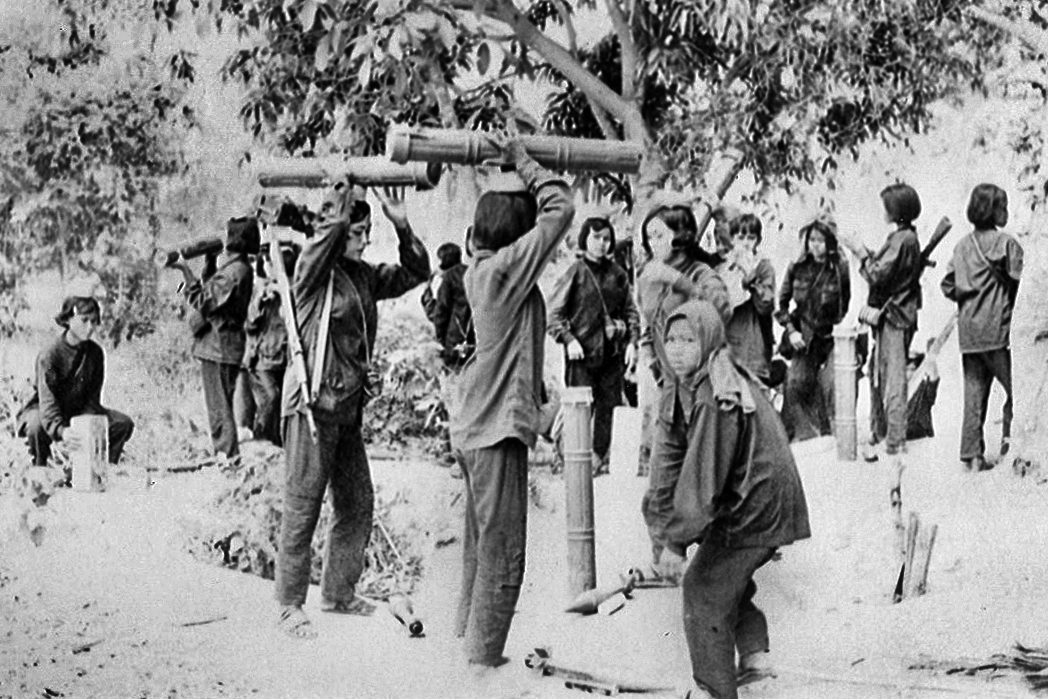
(320, 350)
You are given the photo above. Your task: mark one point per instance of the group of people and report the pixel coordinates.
(722, 474)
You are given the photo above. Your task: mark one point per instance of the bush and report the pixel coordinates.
(245, 530)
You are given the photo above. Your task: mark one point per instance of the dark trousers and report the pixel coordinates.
(980, 369)
(339, 463)
(606, 380)
(888, 387)
(719, 614)
(220, 381)
(120, 428)
(496, 481)
(266, 388)
(807, 402)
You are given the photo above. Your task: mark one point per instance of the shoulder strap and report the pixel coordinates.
(600, 292)
(993, 270)
(320, 349)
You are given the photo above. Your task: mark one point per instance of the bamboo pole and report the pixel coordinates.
(844, 391)
(578, 480)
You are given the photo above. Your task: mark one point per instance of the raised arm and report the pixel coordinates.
(394, 280)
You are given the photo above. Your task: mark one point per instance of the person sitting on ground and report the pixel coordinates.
(737, 495)
(814, 297)
(593, 316)
(495, 417)
(982, 278)
(69, 378)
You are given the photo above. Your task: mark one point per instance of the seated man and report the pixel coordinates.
(69, 377)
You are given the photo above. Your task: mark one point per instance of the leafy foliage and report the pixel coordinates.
(788, 87)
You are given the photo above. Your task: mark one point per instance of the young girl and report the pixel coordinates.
(738, 495)
(983, 279)
(496, 416)
(814, 297)
(593, 315)
(894, 276)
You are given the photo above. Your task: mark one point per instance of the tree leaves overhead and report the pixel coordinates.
(789, 84)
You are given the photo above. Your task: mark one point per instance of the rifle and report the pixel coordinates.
(944, 227)
(932, 354)
(297, 358)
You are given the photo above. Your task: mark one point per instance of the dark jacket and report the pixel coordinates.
(68, 383)
(894, 277)
(820, 292)
(222, 299)
(985, 294)
(584, 298)
(354, 316)
(453, 319)
(746, 331)
(500, 390)
(740, 471)
(266, 333)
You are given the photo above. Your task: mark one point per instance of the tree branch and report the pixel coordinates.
(569, 26)
(628, 48)
(1028, 32)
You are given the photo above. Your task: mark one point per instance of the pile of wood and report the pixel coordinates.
(1031, 663)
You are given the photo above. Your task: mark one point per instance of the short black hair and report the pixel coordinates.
(501, 218)
(359, 211)
(77, 305)
(595, 223)
(988, 207)
(242, 235)
(747, 224)
(902, 203)
(450, 255)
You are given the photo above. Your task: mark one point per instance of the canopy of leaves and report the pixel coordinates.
(787, 86)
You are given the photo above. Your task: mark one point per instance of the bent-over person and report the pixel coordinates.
(70, 374)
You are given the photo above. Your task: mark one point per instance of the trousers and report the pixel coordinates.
(220, 381)
(980, 369)
(267, 385)
(719, 614)
(120, 428)
(493, 547)
(888, 398)
(336, 463)
(807, 402)
(606, 380)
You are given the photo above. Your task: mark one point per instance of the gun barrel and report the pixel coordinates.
(317, 173)
(406, 144)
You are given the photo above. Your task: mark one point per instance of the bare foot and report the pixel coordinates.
(294, 622)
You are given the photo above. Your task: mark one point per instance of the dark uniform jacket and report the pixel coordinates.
(984, 293)
(820, 292)
(739, 478)
(453, 318)
(746, 331)
(585, 296)
(222, 299)
(894, 277)
(68, 383)
(500, 391)
(266, 333)
(354, 316)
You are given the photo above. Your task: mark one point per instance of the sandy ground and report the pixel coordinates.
(112, 575)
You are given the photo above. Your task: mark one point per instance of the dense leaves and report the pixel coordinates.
(788, 86)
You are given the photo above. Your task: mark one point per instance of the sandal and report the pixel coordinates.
(358, 606)
(295, 623)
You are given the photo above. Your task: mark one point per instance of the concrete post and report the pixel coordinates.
(578, 491)
(845, 390)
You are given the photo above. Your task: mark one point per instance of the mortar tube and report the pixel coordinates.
(845, 391)
(578, 490)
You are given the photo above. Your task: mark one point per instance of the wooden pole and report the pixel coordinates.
(844, 391)
(578, 480)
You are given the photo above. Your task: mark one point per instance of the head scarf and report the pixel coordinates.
(729, 385)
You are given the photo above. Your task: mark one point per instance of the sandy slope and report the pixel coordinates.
(112, 570)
